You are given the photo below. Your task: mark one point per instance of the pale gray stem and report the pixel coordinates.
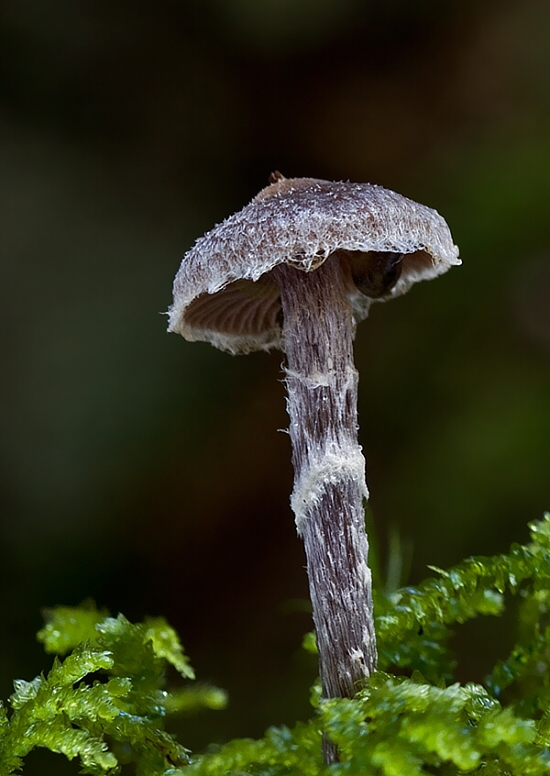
(329, 468)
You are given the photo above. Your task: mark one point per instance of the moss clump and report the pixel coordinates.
(105, 702)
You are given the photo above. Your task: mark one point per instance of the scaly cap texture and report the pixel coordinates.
(224, 293)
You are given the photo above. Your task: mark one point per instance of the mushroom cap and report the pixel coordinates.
(224, 292)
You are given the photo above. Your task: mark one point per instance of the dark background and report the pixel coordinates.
(147, 472)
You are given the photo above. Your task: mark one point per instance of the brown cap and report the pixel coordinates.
(224, 292)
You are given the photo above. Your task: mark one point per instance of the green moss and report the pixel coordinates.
(105, 702)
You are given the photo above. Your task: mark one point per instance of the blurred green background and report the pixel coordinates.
(148, 473)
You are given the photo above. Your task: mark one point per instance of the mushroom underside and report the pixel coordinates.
(247, 308)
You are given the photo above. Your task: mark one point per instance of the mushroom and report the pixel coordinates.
(297, 269)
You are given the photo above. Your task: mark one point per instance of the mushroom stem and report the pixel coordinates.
(329, 469)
